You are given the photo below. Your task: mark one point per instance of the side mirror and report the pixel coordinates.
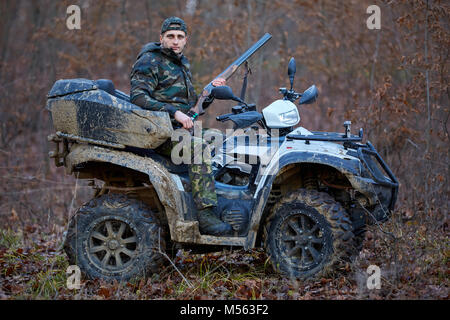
(224, 93)
(292, 69)
(310, 95)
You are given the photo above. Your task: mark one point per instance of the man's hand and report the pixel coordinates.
(205, 96)
(184, 120)
(219, 82)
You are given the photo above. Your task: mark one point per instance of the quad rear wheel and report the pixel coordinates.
(114, 237)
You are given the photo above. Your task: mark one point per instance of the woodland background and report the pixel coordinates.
(393, 82)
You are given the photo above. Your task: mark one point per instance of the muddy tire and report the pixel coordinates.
(308, 234)
(113, 237)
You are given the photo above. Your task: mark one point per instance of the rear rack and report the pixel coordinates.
(64, 139)
(89, 140)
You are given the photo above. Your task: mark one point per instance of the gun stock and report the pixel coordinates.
(229, 71)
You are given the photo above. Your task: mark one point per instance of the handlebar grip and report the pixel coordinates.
(223, 117)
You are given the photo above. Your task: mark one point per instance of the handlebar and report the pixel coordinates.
(224, 117)
(290, 95)
(237, 110)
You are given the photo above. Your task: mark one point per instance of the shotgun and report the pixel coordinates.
(227, 73)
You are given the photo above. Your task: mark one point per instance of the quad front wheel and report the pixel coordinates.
(307, 233)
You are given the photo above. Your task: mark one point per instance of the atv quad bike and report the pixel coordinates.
(306, 198)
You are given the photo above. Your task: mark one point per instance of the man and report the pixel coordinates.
(161, 81)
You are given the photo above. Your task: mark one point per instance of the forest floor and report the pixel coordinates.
(413, 260)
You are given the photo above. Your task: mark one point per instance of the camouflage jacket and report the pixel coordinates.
(162, 81)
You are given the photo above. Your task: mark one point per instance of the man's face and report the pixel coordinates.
(174, 39)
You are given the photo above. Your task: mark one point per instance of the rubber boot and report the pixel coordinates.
(210, 224)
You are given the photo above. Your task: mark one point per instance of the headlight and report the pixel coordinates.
(290, 117)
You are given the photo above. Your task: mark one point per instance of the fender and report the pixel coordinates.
(163, 181)
(167, 187)
(348, 165)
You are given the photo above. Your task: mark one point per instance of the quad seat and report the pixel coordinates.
(108, 86)
(93, 111)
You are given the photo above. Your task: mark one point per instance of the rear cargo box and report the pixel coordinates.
(80, 109)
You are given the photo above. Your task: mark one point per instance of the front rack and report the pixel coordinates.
(326, 136)
(365, 153)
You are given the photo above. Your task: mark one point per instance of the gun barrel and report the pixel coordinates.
(228, 72)
(245, 56)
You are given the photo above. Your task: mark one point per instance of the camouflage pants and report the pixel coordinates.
(200, 172)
